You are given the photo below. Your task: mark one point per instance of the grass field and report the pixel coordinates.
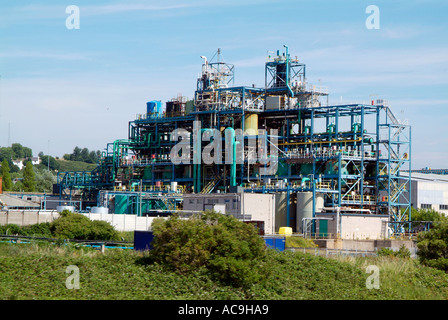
(39, 271)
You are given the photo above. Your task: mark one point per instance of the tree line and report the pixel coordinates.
(15, 152)
(83, 154)
(40, 177)
(27, 183)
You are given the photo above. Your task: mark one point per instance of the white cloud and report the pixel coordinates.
(20, 13)
(126, 7)
(345, 67)
(45, 55)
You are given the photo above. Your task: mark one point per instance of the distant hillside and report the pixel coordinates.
(69, 165)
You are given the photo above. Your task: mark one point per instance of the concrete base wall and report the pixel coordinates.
(121, 222)
(27, 217)
(364, 245)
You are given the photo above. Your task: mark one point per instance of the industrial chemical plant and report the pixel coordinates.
(278, 156)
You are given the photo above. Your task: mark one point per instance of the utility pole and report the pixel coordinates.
(48, 157)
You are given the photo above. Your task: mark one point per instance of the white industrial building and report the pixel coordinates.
(243, 206)
(429, 191)
(271, 210)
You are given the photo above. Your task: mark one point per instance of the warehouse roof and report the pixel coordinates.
(417, 176)
(9, 201)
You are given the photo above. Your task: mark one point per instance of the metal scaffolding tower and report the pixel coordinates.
(284, 137)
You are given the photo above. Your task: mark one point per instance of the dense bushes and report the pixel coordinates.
(34, 230)
(229, 249)
(433, 246)
(68, 226)
(427, 215)
(76, 226)
(402, 252)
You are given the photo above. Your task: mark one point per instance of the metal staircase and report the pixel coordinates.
(211, 185)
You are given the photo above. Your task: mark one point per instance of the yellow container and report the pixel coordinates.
(251, 124)
(285, 230)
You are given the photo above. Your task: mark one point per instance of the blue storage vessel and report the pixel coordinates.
(154, 108)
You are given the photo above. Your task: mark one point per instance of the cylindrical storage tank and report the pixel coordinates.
(154, 108)
(62, 208)
(251, 124)
(159, 107)
(305, 207)
(280, 209)
(319, 202)
(174, 186)
(99, 210)
(151, 106)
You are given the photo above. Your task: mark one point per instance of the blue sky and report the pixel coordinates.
(81, 87)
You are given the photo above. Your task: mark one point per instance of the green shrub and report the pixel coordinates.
(427, 215)
(37, 230)
(68, 226)
(11, 229)
(126, 235)
(78, 227)
(385, 252)
(71, 226)
(403, 252)
(102, 230)
(33, 230)
(229, 249)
